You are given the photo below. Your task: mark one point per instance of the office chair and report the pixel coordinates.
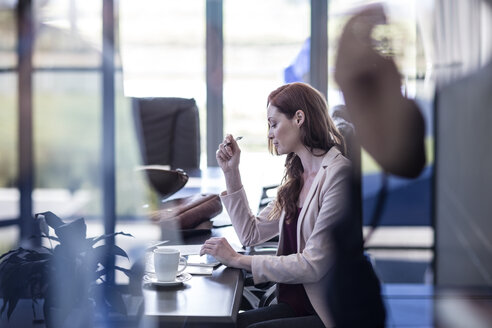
(264, 294)
(168, 132)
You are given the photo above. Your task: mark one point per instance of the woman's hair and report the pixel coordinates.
(317, 132)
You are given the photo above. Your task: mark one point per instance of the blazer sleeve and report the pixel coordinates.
(315, 260)
(251, 230)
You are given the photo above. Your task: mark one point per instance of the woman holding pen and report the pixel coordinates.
(312, 198)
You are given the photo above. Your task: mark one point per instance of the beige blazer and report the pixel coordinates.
(326, 203)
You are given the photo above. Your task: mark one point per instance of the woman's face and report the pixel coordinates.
(283, 132)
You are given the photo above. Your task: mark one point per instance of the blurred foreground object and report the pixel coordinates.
(70, 275)
(389, 126)
(189, 212)
(165, 182)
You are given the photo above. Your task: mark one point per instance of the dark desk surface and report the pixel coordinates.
(203, 300)
(213, 299)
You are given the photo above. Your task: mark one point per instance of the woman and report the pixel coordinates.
(313, 196)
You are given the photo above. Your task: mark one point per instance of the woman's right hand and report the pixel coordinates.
(228, 154)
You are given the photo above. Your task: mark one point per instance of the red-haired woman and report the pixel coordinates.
(312, 197)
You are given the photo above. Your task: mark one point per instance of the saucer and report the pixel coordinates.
(180, 279)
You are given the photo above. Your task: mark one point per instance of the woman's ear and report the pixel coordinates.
(299, 116)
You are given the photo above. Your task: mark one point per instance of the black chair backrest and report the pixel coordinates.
(169, 131)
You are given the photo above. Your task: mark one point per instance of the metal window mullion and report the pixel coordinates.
(108, 131)
(25, 40)
(214, 77)
(318, 68)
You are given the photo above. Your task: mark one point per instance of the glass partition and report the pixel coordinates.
(403, 244)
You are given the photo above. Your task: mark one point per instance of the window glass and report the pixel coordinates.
(8, 31)
(163, 48)
(261, 39)
(67, 110)
(67, 138)
(68, 126)
(8, 129)
(9, 194)
(68, 142)
(68, 33)
(133, 193)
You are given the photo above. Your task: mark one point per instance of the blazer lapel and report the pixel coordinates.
(312, 190)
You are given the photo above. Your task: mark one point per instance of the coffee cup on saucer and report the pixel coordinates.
(167, 262)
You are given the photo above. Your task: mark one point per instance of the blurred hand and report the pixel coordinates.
(228, 154)
(389, 126)
(356, 56)
(220, 249)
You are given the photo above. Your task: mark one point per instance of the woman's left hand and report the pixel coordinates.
(220, 248)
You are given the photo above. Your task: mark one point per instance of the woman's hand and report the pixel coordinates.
(228, 155)
(220, 248)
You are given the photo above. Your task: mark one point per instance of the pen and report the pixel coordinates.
(237, 139)
(151, 248)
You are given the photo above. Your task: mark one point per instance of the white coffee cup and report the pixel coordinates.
(166, 263)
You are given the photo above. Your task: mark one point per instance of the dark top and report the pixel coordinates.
(293, 294)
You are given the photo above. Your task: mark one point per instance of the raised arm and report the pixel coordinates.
(251, 229)
(228, 157)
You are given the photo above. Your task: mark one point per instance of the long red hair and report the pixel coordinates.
(317, 132)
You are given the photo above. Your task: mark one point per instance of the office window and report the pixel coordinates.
(68, 116)
(8, 98)
(67, 108)
(9, 194)
(67, 134)
(8, 31)
(261, 39)
(8, 135)
(68, 34)
(67, 123)
(162, 47)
